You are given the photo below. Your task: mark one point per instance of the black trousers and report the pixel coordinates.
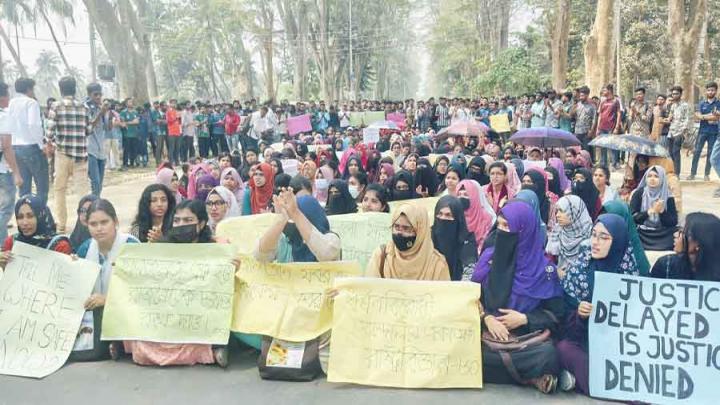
(129, 150)
(204, 146)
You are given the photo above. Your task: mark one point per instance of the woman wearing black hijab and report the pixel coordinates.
(476, 171)
(697, 251)
(535, 181)
(452, 238)
(554, 181)
(340, 201)
(81, 233)
(402, 186)
(583, 187)
(425, 178)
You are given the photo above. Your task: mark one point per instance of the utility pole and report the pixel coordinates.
(93, 55)
(350, 77)
(617, 21)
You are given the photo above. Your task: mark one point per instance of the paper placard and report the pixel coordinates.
(43, 295)
(171, 293)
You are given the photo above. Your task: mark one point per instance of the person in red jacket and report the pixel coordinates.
(36, 227)
(232, 123)
(174, 132)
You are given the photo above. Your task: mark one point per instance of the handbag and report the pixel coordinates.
(515, 344)
(289, 361)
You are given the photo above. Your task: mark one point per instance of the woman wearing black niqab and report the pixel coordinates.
(452, 238)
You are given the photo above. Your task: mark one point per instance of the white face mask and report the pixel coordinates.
(321, 184)
(354, 192)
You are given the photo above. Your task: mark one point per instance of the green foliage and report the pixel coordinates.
(512, 72)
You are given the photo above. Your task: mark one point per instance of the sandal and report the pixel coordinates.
(546, 384)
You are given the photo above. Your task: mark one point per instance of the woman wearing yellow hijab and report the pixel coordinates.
(411, 255)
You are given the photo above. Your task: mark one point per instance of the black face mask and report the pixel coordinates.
(292, 233)
(403, 243)
(465, 203)
(183, 233)
(402, 194)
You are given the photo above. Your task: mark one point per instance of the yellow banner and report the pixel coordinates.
(245, 231)
(360, 234)
(171, 293)
(43, 293)
(500, 123)
(286, 301)
(408, 334)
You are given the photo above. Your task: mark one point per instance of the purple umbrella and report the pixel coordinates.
(544, 137)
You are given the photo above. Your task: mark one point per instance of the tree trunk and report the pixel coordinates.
(150, 69)
(559, 45)
(13, 52)
(266, 17)
(121, 46)
(54, 37)
(599, 48)
(493, 24)
(295, 24)
(685, 22)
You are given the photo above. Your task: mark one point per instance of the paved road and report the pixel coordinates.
(122, 383)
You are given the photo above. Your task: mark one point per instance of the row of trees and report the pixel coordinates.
(333, 49)
(574, 42)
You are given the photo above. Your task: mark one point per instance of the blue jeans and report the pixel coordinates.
(7, 202)
(715, 158)
(699, 144)
(614, 154)
(33, 164)
(96, 172)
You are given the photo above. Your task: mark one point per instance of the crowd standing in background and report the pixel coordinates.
(532, 225)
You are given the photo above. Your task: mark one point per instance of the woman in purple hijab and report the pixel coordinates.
(558, 165)
(204, 185)
(521, 294)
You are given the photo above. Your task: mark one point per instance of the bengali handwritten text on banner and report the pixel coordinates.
(654, 340)
(43, 294)
(361, 233)
(173, 293)
(286, 301)
(409, 334)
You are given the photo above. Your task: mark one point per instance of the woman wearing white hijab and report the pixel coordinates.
(573, 230)
(654, 211)
(221, 204)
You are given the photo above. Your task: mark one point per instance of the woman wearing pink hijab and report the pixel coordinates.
(479, 214)
(196, 172)
(230, 179)
(168, 178)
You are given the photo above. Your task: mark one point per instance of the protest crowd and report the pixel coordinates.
(532, 219)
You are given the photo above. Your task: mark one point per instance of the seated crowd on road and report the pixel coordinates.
(532, 225)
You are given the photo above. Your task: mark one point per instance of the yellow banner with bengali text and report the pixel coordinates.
(361, 233)
(286, 301)
(171, 293)
(407, 334)
(500, 123)
(245, 231)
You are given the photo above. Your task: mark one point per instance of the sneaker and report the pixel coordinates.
(706, 178)
(566, 381)
(690, 177)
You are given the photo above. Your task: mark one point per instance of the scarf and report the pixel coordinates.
(620, 208)
(566, 241)
(449, 236)
(558, 165)
(421, 261)
(652, 194)
(342, 203)
(81, 233)
(45, 230)
(240, 190)
(515, 273)
(587, 191)
(105, 262)
(580, 277)
(540, 187)
(513, 179)
(480, 217)
(209, 182)
(231, 205)
(480, 176)
(260, 196)
(315, 214)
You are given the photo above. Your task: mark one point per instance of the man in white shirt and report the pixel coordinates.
(261, 122)
(9, 174)
(28, 139)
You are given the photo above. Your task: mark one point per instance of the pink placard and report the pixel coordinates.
(296, 125)
(398, 118)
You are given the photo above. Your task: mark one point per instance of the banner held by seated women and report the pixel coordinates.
(286, 301)
(171, 293)
(43, 293)
(654, 340)
(360, 234)
(244, 232)
(408, 334)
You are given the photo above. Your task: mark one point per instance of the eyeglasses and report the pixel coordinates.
(403, 228)
(605, 237)
(218, 203)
